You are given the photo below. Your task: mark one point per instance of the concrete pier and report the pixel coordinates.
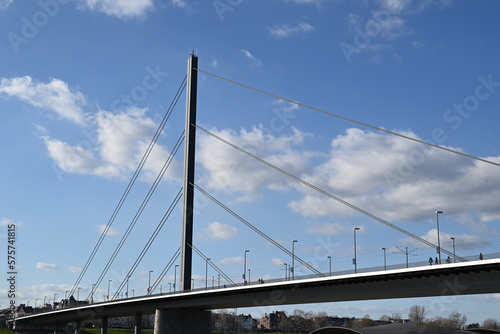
(168, 321)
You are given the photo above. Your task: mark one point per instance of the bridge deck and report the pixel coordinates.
(477, 277)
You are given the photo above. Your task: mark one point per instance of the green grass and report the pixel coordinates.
(5, 331)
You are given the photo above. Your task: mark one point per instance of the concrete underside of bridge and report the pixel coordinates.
(478, 277)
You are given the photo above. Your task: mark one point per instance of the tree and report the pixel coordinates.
(456, 320)
(417, 315)
(491, 323)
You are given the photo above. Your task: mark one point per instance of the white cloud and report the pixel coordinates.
(122, 9)
(121, 140)
(7, 222)
(379, 173)
(462, 242)
(111, 231)
(75, 269)
(329, 229)
(47, 266)
(55, 96)
(5, 3)
(231, 261)
(284, 30)
(217, 231)
(277, 262)
(181, 4)
(255, 61)
(232, 171)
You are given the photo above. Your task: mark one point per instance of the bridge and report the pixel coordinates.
(188, 311)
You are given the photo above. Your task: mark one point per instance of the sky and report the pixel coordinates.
(84, 84)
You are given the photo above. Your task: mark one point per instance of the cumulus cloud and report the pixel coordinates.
(111, 231)
(75, 269)
(231, 261)
(329, 229)
(232, 171)
(285, 30)
(5, 3)
(277, 262)
(55, 96)
(463, 241)
(120, 142)
(122, 9)
(379, 173)
(47, 266)
(254, 61)
(217, 231)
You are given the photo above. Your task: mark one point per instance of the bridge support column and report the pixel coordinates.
(56, 328)
(138, 323)
(78, 327)
(183, 322)
(104, 326)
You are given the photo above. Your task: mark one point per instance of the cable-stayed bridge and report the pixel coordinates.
(188, 311)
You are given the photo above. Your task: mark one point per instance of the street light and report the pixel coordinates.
(175, 275)
(249, 276)
(330, 260)
(78, 294)
(108, 287)
(35, 304)
(44, 303)
(66, 295)
(454, 256)
(206, 273)
(354, 260)
(293, 259)
(170, 287)
(92, 294)
(385, 258)
(133, 294)
(126, 293)
(149, 282)
(439, 243)
(245, 266)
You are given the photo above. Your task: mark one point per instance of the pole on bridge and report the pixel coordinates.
(189, 162)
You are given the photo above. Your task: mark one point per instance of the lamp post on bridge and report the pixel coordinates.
(126, 293)
(245, 266)
(355, 260)
(92, 293)
(293, 260)
(78, 294)
(286, 270)
(206, 273)
(385, 258)
(109, 281)
(149, 282)
(175, 275)
(439, 243)
(44, 303)
(330, 263)
(454, 256)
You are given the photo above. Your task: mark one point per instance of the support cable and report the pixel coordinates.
(213, 265)
(354, 121)
(262, 234)
(166, 269)
(149, 243)
(139, 212)
(130, 184)
(324, 192)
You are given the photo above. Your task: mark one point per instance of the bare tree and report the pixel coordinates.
(491, 323)
(417, 314)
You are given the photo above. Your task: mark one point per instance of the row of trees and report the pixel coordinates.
(455, 321)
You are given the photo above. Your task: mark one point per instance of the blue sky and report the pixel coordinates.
(84, 84)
